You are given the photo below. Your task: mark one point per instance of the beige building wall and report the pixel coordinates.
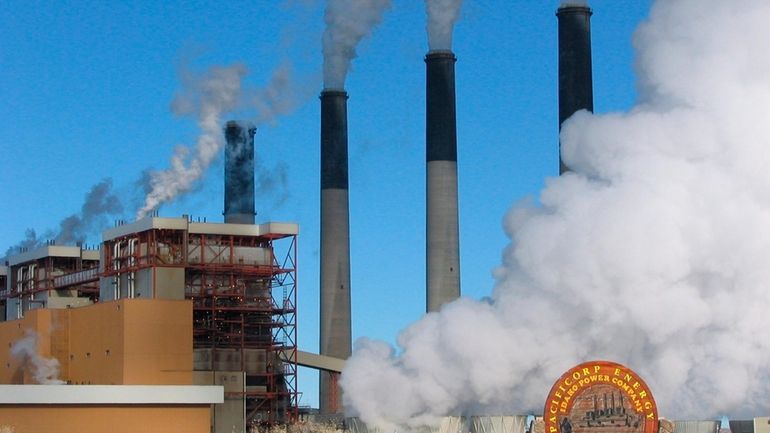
(101, 419)
(126, 342)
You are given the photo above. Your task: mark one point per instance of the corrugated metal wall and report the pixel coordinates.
(696, 426)
(457, 424)
(742, 426)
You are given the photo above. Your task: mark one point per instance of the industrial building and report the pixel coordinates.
(210, 308)
(240, 282)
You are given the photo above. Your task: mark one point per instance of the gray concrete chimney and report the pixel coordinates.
(335, 242)
(443, 234)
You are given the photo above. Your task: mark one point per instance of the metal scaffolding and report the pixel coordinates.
(37, 278)
(243, 287)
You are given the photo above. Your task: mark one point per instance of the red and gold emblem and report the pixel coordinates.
(600, 397)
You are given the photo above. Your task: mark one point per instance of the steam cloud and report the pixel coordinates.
(652, 252)
(209, 97)
(100, 203)
(347, 23)
(45, 371)
(442, 16)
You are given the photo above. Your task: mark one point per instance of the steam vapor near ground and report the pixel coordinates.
(347, 23)
(653, 252)
(442, 16)
(209, 97)
(44, 371)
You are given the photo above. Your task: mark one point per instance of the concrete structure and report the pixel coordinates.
(100, 408)
(320, 362)
(239, 173)
(443, 234)
(335, 330)
(241, 279)
(575, 70)
(762, 424)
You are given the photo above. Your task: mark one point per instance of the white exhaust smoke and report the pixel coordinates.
(442, 16)
(347, 23)
(44, 371)
(653, 251)
(209, 97)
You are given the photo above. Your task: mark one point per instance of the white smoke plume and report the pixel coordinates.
(210, 96)
(653, 252)
(44, 371)
(347, 23)
(100, 203)
(442, 16)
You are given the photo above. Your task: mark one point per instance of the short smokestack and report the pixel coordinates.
(443, 234)
(575, 70)
(335, 242)
(239, 173)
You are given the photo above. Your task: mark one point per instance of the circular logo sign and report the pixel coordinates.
(600, 397)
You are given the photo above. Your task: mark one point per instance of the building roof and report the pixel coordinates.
(110, 394)
(276, 229)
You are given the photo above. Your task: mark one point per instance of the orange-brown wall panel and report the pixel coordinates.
(137, 341)
(96, 344)
(106, 418)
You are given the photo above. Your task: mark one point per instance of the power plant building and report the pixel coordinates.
(239, 281)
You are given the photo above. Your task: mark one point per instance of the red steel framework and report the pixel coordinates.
(237, 305)
(77, 275)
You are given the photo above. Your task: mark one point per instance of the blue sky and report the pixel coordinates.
(86, 88)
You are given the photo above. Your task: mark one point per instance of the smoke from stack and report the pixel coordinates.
(653, 252)
(100, 203)
(208, 97)
(442, 16)
(347, 23)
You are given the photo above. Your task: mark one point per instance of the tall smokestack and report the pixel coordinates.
(575, 71)
(239, 173)
(335, 242)
(443, 242)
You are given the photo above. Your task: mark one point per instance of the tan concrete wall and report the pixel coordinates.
(102, 419)
(96, 344)
(126, 342)
(158, 342)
